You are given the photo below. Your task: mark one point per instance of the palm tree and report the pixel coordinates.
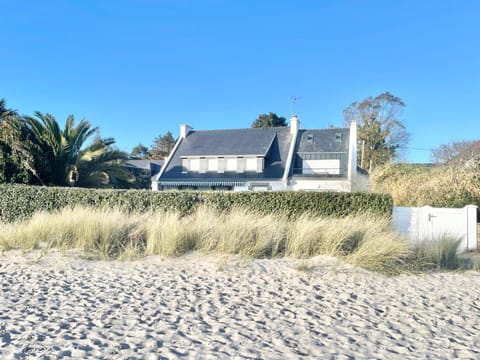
(70, 162)
(15, 148)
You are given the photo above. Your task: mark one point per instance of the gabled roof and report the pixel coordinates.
(233, 142)
(271, 143)
(324, 140)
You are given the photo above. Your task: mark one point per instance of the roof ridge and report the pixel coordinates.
(237, 129)
(326, 129)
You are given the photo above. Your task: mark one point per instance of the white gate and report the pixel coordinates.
(428, 223)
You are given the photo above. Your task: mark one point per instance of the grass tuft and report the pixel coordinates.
(439, 254)
(166, 235)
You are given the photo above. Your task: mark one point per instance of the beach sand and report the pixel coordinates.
(210, 307)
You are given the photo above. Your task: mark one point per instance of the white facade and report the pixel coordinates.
(306, 184)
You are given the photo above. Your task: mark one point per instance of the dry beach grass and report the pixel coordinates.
(362, 240)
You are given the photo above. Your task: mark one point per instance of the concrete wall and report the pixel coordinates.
(428, 224)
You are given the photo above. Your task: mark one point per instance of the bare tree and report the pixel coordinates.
(381, 133)
(457, 153)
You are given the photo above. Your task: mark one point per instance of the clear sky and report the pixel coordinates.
(138, 69)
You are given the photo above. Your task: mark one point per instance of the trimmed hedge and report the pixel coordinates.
(294, 204)
(18, 202)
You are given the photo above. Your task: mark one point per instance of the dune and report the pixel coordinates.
(198, 306)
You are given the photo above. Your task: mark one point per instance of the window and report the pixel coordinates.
(330, 167)
(212, 165)
(185, 165)
(261, 188)
(338, 137)
(251, 164)
(194, 164)
(230, 164)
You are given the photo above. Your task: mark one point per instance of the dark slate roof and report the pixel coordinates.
(273, 143)
(324, 140)
(154, 166)
(234, 142)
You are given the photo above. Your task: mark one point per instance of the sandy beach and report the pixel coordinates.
(59, 306)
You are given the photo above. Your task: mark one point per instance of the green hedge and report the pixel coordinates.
(294, 204)
(19, 202)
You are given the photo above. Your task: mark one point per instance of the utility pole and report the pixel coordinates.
(363, 154)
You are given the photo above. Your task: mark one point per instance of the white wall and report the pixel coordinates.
(428, 223)
(274, 185)
(305, 184)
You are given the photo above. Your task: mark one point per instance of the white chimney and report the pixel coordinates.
(184, 130)
(352, 152)
(294, 124)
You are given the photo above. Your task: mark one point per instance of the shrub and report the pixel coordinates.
(438, 186)
(21, 202)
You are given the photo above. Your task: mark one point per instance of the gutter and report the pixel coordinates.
(167, 161)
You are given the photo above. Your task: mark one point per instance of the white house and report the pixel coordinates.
(276, 158)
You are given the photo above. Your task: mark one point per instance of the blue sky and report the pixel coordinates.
(138, 69)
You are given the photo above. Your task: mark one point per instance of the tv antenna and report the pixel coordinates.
(293, 102)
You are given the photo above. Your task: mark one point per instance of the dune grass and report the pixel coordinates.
(107, 233)
(363, 240)
(439, 254)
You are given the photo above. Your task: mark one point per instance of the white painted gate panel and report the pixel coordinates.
(428, 223)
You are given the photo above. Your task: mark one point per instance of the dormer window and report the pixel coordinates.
(194, 165)
(310, 138)
(338, 137)
(223, 164)
(251, 164)
(185, 165)
(230, 164)
(212, 165)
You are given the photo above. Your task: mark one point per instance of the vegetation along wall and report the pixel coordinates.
(18, 202)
